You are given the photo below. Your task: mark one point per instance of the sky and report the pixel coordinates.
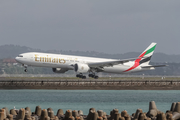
(108, 26)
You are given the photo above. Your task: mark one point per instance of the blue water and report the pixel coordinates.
(105, 100)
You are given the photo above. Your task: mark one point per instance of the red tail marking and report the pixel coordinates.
(136, 63)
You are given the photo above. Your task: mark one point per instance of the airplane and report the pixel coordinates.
(80, 64)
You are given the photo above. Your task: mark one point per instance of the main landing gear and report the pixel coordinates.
(93, 75)
(80, 75)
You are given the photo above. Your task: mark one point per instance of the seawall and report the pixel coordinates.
(90, 84)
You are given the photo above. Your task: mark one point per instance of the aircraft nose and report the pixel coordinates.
(17, 59)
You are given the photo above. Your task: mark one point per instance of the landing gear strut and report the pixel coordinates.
(25, 66)
(80, 75)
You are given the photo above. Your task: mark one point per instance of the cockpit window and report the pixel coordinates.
(20, 56)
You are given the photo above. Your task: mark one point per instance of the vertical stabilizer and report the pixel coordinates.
(144, 58)
(147, 54)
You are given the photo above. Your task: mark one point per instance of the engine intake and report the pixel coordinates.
(81, 68)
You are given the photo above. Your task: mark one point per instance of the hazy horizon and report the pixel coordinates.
(85, 51)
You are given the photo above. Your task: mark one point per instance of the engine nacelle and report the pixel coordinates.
(59, 70)
(81, 68)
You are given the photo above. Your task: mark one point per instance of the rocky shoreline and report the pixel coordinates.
(48, 114)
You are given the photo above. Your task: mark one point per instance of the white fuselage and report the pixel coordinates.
(67, 61)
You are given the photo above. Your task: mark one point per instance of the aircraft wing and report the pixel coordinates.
(110, 63)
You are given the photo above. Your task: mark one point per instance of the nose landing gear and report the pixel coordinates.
(25, 66)
(25, 70)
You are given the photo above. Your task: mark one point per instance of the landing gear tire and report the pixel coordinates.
(93, 76)
(81, 76)
(90, 75)
(96, 77)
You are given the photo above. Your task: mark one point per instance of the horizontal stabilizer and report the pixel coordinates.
(153, 66)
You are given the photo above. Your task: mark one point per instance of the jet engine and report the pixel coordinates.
(81, 68)
(59, 70)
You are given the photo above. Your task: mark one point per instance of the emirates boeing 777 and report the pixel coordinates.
(81, 65)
